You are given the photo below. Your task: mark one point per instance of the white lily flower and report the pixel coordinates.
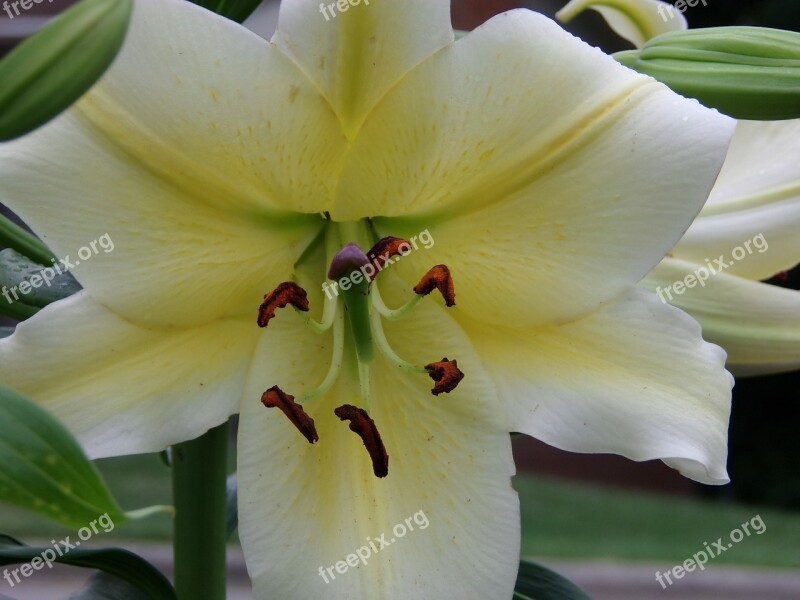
(748, 231)
(551, 179)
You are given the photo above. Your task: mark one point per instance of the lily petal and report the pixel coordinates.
(123, 389)
(758, 192)
(564, 193)
(173, 155)
(635, 379)
(304, 508)
(357, 55)
(758, 324)
(638, 21)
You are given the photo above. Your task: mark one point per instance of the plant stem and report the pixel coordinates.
(199, 470)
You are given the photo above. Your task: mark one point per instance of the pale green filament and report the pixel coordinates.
(392, 314)
(336, 359)
(383, 345)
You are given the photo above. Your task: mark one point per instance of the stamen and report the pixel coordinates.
(286, 293)
(446, 374)
(275, 397)
(361, 424)
(328, 316)
(383, 345)
(336, 359)
(438, 278)
(382, 252)
(388, 313)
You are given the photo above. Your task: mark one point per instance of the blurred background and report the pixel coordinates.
(590, 515)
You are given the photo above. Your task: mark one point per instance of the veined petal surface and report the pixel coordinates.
(305, 507)
(550, 177)
(125, 389)
(634, 379)
(186, 154)
(758, 193)
(357, 55)
(758, 324)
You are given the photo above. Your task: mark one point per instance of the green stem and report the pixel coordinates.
(14, 236)
(199, 470)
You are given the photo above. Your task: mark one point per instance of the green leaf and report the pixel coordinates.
(235, 10)
(14, 236)
(31, 283)
(50, 70)
(115, 561)
(6, 331)
(44, 468)
(17, 310)
(534, 582)
(745, 72)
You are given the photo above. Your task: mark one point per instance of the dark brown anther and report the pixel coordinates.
(446, 374)
(361, 424)
(381, 253)
(438, 278)
(275, 397)
(286, 293)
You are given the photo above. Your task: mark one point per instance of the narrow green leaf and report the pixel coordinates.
(14, 236)
(44, 468)
(745, 72)
(17, 310)
(235, 10)
(115, 561)
(26, 281)
(50, 70)
(535, 582)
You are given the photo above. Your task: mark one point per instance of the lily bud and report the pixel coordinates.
(745, 72)
(50, 70)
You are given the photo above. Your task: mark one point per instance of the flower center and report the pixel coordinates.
(354, 306)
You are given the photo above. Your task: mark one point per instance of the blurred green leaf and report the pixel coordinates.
(235, 10)
(14, 236)
(745, 72)
(6, 331)
(54, 67)
(16, 310)
(535, 582)
(35, 285)
(44, 468)
(120, 563)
